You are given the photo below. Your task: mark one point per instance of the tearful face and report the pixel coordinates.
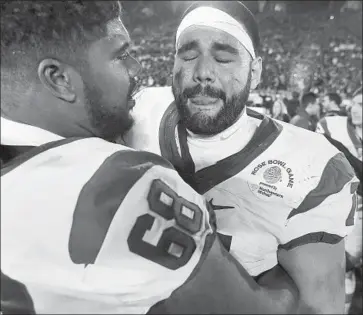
(211, 79)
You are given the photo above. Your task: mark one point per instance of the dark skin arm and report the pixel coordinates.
(317, 270)
(222, 286)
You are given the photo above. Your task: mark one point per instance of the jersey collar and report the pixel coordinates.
(19, 134)
(205, 179)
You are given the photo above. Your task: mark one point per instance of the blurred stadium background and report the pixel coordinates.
(306, 45)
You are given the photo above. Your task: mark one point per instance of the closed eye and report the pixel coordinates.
(189, 58)
(223, 60)
(189, 55)
(223, 57)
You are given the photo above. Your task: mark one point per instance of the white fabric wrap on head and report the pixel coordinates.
(212, 17)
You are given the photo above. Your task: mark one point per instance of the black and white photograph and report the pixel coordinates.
(181, 157)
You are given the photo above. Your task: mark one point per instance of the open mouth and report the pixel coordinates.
(203, 100)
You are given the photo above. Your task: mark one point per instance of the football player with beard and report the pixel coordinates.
(283, 196)
(87, 225)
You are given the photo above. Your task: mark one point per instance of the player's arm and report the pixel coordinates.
(318, 269)
(312, 245)
(220, 285)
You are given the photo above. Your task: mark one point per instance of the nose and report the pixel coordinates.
(134, 67)
(204, 71)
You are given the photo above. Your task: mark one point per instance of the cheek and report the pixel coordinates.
(235, 75)
(118, 72)
(232, 85)
(115, 81)
(182, 73)
(178, 77)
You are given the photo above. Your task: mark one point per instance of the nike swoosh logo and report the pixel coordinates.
(216, 207)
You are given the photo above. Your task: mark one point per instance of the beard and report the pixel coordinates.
(201, 123)
(108, 119)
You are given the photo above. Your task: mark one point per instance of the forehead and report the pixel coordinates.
(115, 27)
(115, 37)
(206, 36)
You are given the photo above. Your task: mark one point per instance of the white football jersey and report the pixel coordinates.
(271, 184)
(92, 227)
(97, 229)
(89, 226)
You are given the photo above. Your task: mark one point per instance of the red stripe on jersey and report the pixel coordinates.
(100, 198)
(353, 161)
(336, 174)
(211, 176)
(207, 178)
(316, 237)
(167, 142)
(20, 159)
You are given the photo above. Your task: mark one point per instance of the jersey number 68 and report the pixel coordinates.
(175, 246)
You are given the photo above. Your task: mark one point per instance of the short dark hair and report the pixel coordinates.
(308, 98)
(32, 30)
(237, 10)
(335, 98)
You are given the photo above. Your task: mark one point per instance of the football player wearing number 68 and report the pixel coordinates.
(87, 225)
(283, 195)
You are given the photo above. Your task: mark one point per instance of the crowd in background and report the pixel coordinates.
(333, 44)
(321, 49)
(285, 108)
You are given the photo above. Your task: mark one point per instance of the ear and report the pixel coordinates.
(256, 71)
(54, 76)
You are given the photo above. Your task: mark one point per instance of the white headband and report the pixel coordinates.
(212, 17)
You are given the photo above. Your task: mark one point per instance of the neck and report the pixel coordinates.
(51, 116)
(58, 124)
